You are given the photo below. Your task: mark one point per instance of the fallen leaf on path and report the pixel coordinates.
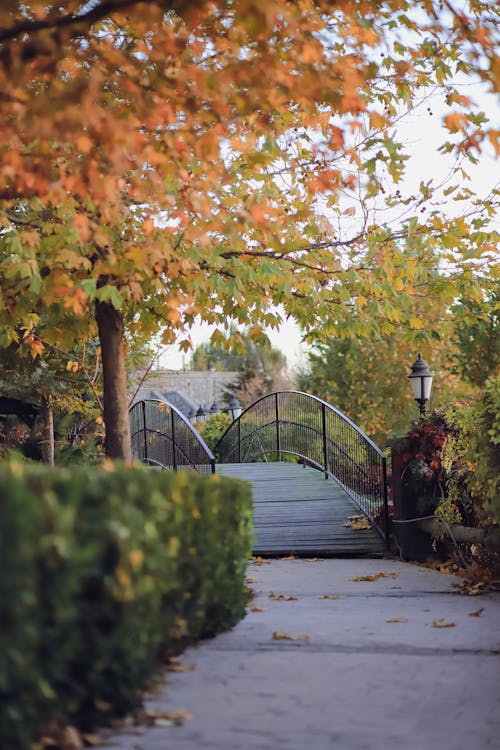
(397, 619)
(180, 668)
(90, 740)
(288, 557)
(278, 636)
(441, 623)
(166, 718)
(375, 577)
(474, 588)
(259, 561)
(331, 596)
(282, 597)
(251, 580)
(357, 523)
(477, 612)
(258, 609)
(311, 559)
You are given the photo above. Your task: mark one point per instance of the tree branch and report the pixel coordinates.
(98, 12)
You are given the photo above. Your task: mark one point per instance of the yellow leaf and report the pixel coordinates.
(358, 523)
(180, 667)
(258, 609)
(397, 619)
(441, 623)
(164, 718)
(279, 636)
(136, 557)
(375, 577)
(260, 561)
(416, 323)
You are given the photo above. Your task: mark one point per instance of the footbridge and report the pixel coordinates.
(319, 483)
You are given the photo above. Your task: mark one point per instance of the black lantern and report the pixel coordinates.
(421, 382)
(234, 408)
(200, 414)
(214, 408)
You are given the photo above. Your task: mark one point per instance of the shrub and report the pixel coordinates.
(473, 456)
(103, 571)
(213, 428)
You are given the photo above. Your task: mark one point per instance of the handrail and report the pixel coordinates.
(303, 426)
(180, 447)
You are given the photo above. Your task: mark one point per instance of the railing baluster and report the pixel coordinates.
(323, 432)
(174, 456)
(145, 436)
(277, 414)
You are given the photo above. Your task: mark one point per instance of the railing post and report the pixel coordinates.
(277, 415)
(386, 504)
(239, 440)
(325, 446)
(174, 458)
(145, 439)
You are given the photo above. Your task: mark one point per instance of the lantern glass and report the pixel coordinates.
(234, 408)
(421, 381)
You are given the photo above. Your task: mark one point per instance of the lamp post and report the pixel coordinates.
(234, 408)
(421, 382)
(200, 414)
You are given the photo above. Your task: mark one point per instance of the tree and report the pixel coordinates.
(367, 377)
(261, 367)
(63, 382)
(165, 160)
(477, 338)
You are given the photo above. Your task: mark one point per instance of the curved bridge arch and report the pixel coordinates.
(162, 436)
(308, 429)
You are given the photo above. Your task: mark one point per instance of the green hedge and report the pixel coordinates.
(102, 572)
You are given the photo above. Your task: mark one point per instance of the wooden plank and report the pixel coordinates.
(298, 511)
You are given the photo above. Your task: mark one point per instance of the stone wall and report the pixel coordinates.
(195, 387)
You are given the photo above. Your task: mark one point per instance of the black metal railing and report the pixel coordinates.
(162, 436)
(292, 425)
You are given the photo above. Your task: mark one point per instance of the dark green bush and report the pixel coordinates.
(104, 570)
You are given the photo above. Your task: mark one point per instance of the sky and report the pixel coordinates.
(423, 134)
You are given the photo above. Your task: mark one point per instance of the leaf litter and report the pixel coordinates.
(477, 612)
(375, 577)
(279, 636)
(358, 523)
(331, 596)
(282, 597)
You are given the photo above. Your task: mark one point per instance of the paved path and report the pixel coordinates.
(359, 682)
(297, 510)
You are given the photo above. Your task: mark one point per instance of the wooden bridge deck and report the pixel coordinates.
(298, 511)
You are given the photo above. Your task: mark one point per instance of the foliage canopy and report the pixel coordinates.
(165, 160)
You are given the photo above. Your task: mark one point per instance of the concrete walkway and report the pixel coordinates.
(372, 672)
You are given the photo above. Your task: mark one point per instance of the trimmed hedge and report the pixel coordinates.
(103, 571)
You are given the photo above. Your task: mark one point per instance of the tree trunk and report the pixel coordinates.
(115, 393)
(47, 431)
